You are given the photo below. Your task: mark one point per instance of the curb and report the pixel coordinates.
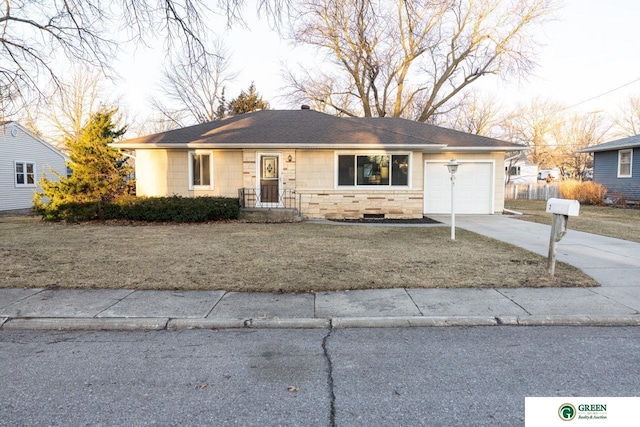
(159, 324)
(86, 324)
(302, 323)
(410, 321)
(578, 320)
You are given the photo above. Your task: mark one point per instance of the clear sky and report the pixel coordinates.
(592, 48)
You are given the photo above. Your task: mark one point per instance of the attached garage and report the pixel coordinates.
(473, 187)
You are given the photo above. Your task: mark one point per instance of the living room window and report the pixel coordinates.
(25, 173)
(377, 170)
(625, 160)
(200, 170)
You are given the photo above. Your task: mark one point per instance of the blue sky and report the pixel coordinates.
(592, 48)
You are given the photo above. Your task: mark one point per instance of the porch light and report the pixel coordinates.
(453, 168)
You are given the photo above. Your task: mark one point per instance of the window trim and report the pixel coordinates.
(25, 174)
(192, 186)
(387, 187)
(620, 153)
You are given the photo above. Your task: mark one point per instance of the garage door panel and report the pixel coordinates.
(474, 181)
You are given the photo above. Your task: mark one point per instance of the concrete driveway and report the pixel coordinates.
(613, 263)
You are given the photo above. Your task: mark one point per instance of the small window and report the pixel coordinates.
(200, 170)
(25, 173)
(513, 170)
(381, 170)
(625, 160)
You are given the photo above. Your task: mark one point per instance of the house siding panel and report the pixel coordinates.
(166, 173)
(605, 172)
(24, 148)
(319, 198)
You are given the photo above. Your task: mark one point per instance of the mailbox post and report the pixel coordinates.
(561, 209)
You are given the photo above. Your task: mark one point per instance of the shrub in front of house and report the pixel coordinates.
(586, 192)
(149, 209)
(174, 209)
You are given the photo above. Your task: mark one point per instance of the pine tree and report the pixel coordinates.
(247, 102)
(221, 112)
(99, 173)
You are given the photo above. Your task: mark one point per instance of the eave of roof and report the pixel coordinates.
(298, 129)
(619, 144)
(266, 146)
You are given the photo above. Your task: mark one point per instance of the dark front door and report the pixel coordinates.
(269, 179)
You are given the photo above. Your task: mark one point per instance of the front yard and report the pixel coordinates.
(235, 256)
(604, 220)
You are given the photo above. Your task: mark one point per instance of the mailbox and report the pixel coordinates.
(563, 207)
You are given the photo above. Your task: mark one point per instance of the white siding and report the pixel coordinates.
(17, 144)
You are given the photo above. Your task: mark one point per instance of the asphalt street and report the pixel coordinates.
(323, 377)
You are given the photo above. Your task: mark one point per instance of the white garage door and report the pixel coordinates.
(473, 189)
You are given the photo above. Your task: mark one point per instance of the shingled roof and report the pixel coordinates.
(619, 144)
(312, 129)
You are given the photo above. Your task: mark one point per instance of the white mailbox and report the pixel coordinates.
(563, 207)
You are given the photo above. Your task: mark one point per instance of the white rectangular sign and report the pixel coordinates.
(581, 411)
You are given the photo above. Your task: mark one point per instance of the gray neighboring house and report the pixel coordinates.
(616, 165)
(24, 158)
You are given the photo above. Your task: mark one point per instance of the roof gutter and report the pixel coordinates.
(487, 149)
(202, 145)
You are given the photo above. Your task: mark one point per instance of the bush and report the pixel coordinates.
(149, 209)
(586, 192)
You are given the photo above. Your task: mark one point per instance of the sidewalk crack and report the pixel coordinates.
(414, 303)
(215, 305)
(117, 301)
(314, 304)
(525, 310)
(332, 395)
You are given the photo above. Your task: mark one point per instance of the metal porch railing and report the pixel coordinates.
(285, 199)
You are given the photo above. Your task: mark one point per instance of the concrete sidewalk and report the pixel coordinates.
(157, 310)
(614, 263)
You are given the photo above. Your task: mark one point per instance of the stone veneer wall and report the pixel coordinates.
(340, 204)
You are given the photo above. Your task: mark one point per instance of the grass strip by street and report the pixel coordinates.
(236, 256)
(603, 220)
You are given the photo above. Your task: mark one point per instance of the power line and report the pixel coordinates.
(602, 94)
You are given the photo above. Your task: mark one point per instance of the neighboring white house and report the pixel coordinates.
(24, 158)
(521, 170)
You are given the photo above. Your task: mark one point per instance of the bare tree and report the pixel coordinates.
(34, 33)
(155, 123)
(411, 58)
(72, 104)
(192, 92)
(535, 125)
(476, 115)
(627, 121)
(575, 133)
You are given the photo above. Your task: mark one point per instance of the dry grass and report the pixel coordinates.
(603, 220)
(236, 256)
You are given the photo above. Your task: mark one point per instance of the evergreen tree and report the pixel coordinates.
(221, 112)
(99, 171)
(247, 102)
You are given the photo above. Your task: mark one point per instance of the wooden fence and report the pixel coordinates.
(542, 191)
